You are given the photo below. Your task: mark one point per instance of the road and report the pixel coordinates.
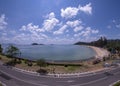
(15, 78)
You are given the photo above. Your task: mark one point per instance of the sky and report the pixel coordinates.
(58, 21)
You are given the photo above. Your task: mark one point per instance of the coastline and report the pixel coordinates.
(100, 52)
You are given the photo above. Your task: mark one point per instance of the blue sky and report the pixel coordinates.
(58, 22)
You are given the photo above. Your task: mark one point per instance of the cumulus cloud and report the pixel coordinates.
(76, 29)
(118, 26)
(31, 27)
(3, 23)
(73, 23)
(87, 8)
(87, 32)
(61, 30)
(50, 22)
(70, 12)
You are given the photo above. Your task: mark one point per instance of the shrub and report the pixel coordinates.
(117, 84)
(42, 71)
(29, 64)
(96, 61)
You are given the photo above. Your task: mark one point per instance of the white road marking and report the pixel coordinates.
(22, 80)
(90, 82)
(69, 81)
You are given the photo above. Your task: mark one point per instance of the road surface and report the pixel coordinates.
(12, 77)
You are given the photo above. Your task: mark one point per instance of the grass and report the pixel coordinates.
(1, 84)
(117, 84)
(86, 66)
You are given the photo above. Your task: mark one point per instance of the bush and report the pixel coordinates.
(10, 63)
(1, 84)
(42, 71)
(117, 84)
(96, 61)
(29, 64)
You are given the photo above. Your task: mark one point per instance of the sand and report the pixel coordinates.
(100, 52)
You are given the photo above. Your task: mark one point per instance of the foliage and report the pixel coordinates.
(29, 63)
(96, 61)
(111, 45)
(1, 84)
(42, 71)
(12, 62)
(102, 42)
(12, 51)
(117, 84)
(1, 49)
(41, 63)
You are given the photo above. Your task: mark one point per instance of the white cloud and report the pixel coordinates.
(95, 31)
(73, 23)
(118, 26)
(3, 23)
(76, 29)
(50, 22)
(51, 15)
(87, 8)
(87, 32)
(61, 30)
(69, 12)
(32, 28)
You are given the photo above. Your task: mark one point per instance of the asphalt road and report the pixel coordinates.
(15, 78)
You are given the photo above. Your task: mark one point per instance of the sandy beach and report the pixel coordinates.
(100, 52)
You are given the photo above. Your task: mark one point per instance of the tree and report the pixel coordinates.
(12, 51)
(41, 63)
(1, 49)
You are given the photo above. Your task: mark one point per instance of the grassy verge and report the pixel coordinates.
(117, 84)
(83, 66)
(1, 84)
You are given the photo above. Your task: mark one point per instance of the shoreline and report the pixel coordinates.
(100, 52)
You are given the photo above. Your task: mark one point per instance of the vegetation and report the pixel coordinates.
(41, 63)
(1, 84)
(117, 84)
(111, 45)
(102, 42)
(1, 49)
(12, 51)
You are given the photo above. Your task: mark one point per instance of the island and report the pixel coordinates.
(36, 44)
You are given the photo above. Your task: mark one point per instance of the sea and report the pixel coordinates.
(54, 52)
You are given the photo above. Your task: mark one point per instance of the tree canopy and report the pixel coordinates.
(12, 51)
(1, 49)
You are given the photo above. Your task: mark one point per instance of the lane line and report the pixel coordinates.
(90, 82)
(22, 80)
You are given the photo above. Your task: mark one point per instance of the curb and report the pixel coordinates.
(80, 74)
